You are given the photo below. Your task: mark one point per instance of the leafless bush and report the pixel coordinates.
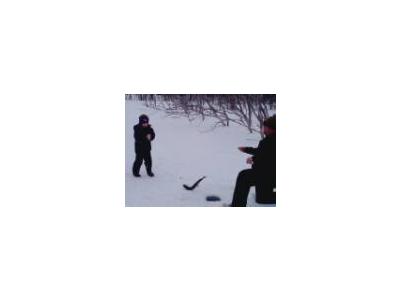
(245, 110)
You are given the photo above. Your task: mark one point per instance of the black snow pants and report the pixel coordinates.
(140, 156)
(264, 188)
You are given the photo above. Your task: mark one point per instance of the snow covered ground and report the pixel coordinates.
(182, 152)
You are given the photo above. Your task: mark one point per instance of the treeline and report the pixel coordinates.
(245, 110)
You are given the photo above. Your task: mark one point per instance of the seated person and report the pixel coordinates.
(262, 175)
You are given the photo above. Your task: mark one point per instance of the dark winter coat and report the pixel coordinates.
(142, 144)
(264, 166)
(264, 156)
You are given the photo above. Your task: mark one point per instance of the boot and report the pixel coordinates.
(135, 172)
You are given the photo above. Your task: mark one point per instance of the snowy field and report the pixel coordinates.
(182, 152)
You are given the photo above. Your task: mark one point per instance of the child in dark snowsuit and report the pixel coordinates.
(143, 134)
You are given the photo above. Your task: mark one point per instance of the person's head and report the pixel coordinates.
(144, 120)
(269, 125)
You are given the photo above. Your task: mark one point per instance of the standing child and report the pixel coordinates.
(143, 134)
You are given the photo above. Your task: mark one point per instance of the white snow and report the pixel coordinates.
(182, 152)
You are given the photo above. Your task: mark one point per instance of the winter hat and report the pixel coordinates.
(143, 119)
(270, 122)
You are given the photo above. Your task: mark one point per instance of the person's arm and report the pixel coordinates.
(266, 154)
(152, 133)
(253, 151)
(248, 150)
(138, 134)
